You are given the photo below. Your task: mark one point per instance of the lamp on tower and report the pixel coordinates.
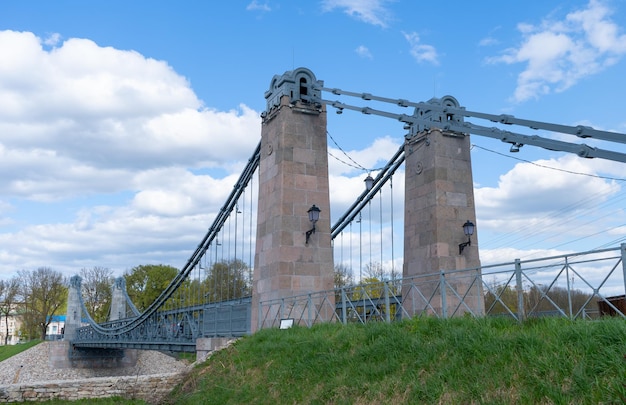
(468, 230)
(314, 216)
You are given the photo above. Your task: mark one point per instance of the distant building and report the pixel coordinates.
(14, 321)
(55, 327)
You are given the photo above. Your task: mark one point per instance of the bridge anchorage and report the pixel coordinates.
(222, 293)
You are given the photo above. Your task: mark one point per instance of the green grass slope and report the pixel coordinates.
(12, 350)
(419, 361)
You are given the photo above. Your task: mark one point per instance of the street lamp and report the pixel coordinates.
(369, 182)
(468, 230)
(314, 216)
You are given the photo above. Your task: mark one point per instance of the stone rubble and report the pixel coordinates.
(32, 365)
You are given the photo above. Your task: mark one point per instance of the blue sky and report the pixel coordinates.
(124, 125)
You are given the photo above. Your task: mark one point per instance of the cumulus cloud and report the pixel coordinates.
(532, 188)
(367, 159)
(535, 205)
(53, 39)
(488, 41)
(258, 6)
(120, 142)
(363, 52)
(559, 53)
(422, 53)
(177, 192)
(369, 11)
(82, 118)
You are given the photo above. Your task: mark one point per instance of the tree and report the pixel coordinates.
(45, 291)
(146, 282)
(373, 299)
(376, 271)
(501, 300)
(9, 293)
(96, 291)
(537, 303)
(343, 276)
(227, 280)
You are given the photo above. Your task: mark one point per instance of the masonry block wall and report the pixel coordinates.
(150, 388)
(439, 198)
(293, 176)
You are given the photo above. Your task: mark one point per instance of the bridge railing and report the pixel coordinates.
(175, 329)
(576, 286)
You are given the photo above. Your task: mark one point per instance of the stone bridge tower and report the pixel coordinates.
(439, 200)
(293, 255)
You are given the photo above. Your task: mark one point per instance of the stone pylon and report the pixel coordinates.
(65, 355)
(293, 256)
(439, 199)
(74, 309)
(118, 299)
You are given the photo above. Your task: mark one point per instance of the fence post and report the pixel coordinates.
(444, 300)
(309, 313)
(282, 309)
(521, 315)
(569, 290)
(344, 312)
(387, 307)
(623, 250)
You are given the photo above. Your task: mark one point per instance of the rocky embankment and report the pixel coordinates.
(32, 366)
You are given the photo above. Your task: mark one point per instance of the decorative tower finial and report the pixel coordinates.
(299, 85)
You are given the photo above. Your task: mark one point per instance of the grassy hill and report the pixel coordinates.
(12, 350)
(420, 361)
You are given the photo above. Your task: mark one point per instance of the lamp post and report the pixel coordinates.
(369, 182)
(468, 230)
(314, 216)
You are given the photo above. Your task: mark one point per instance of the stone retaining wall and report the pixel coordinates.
(150, 388)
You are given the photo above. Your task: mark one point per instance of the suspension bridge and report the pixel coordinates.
(272, 258)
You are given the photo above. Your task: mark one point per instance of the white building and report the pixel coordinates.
(15, 323)
(55, 327)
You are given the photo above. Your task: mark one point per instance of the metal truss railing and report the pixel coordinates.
(577, 286)
(174, 330)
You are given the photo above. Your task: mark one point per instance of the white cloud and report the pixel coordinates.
(542, 209)
(53, 39)
(84, 119)
(363, 52)
(87, 124)
(369, 11)
(83, 123)
(421, 52)
(507, 255)
(488, 41)
(558, 54)
(370, 157)
(178, 192)
(531, 188)
(81, 120)
(257, 6)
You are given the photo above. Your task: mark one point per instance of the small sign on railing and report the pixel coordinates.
(286, 323)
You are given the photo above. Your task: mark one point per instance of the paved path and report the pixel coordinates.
(32, 366)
